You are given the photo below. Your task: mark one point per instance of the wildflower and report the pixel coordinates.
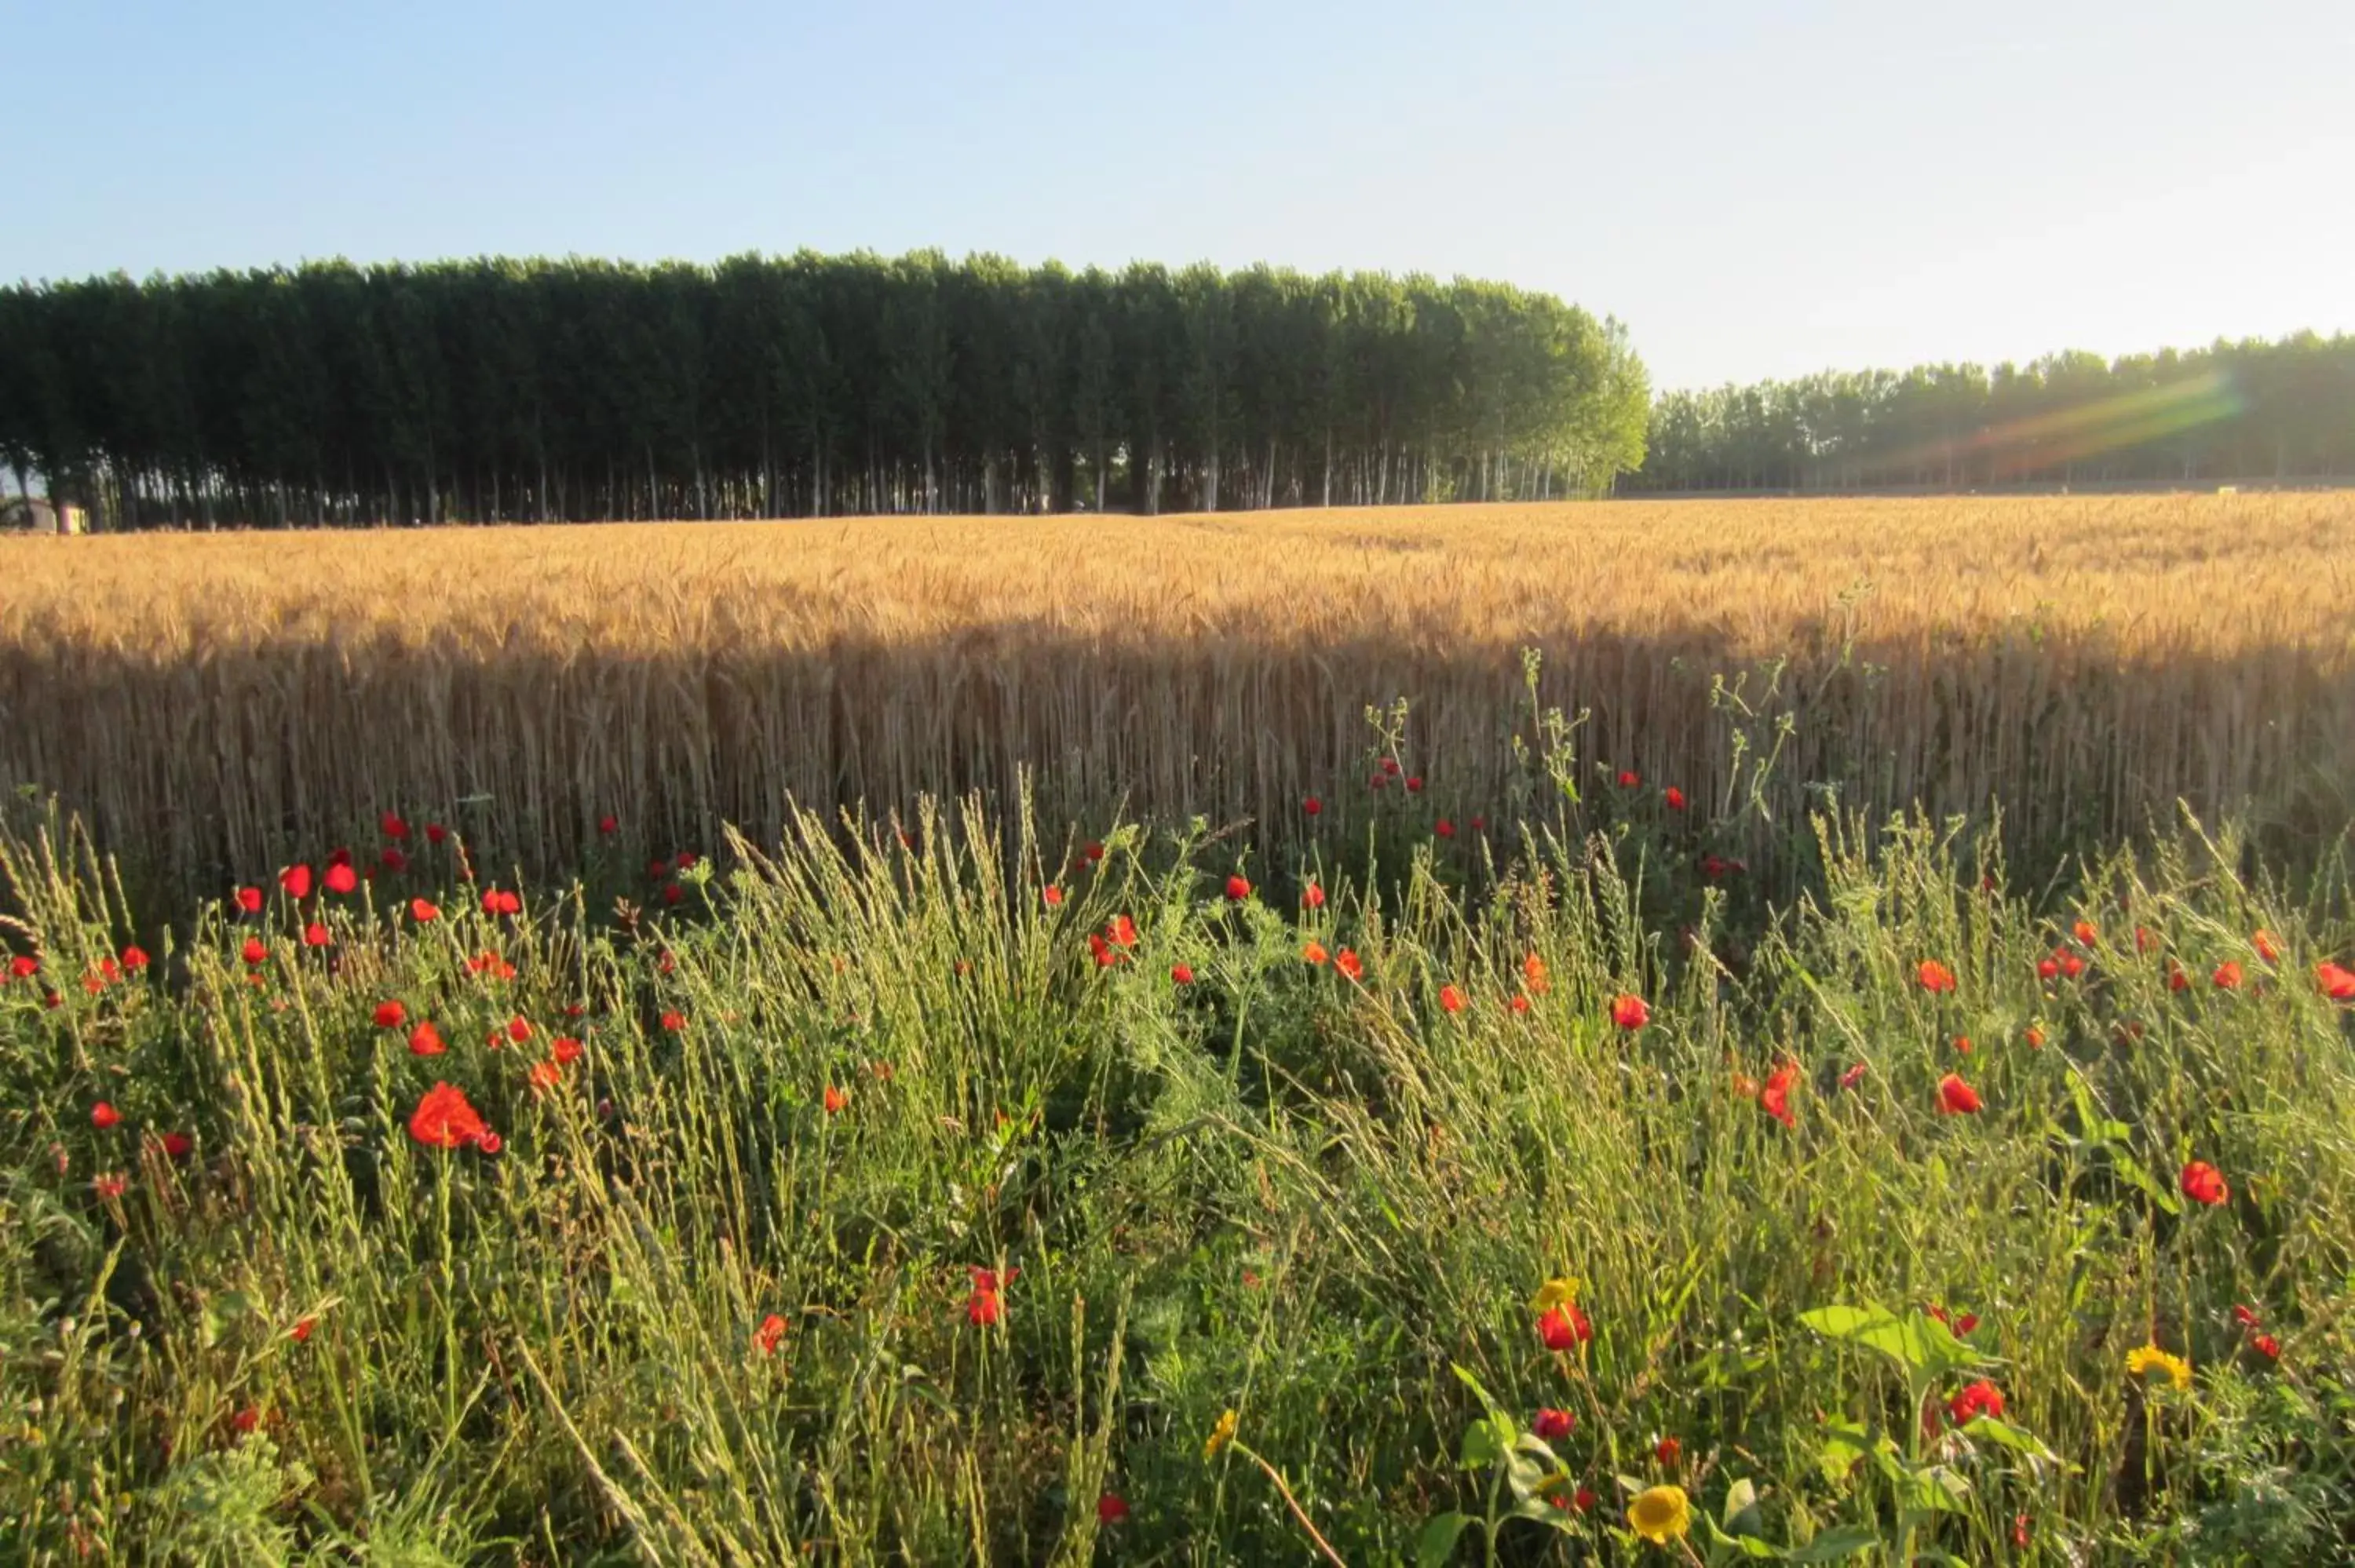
(391, 1016)
(339, 856)
(1519, 1004)
(519, 1030)
(1533, 975)
(608, 825)
(2204, 1183)
(253, 952)
(1981, 1398)
(1312, 896)
(686, 860)
(392, 860)
(103, 1116)
(2176, 979)
(1348, 963)
(2035, 1038)
(1630, 1012)
(342, 879)
(769, 1335)
(1111, 1509)
(297, 881)
(1629, 780)
(443, 1119)
(1960, 1326)
(1443, 828)
(497, 900)
(423, 912)
(1674, 797)
(1220, 1436)
(1660, 1514)
(1853, 1076)
(2267, 945)
(2337, 984)
(1667, 1451)
(1123, 931)
(177, 1145)
(1956, 1098)
(982, 1307)
(2019, 1532)
(1584, 1500)
(2148, 1358)
(110, 1186)
(2048, 969)
(425, 1040)
(1181, 974)
(2086, 933)
(672, 1023)
(246, 1419)
(1554, 1424)
(315, 935)
(2144, 941)
(1565, 1327)
(134, 958)
(2266, 1345)
(1053, 896)
(1378, 781)
(1238, 889)
(1450, 999)
(657, 870)
(435, 832)
(23, 966)
(1935, 976)
(545, 1075)
(1479, 824)
(672, 893)
(1313, 952)
(1774, 1099)
(565, 1049)
(249, 900)
(1714, 866)
(489, 1143)
(837, 1100)
(2246, 1317)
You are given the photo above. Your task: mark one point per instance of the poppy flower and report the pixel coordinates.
(489, 1143)
(339, 856)
(103, 1116)
(390, 1014)
(1563, 1327)
(1121, 931)
(1390, 766)
(1667, 1450)
(1584, 1500)
(672, 1023)
(1450, 999)
(1443, 828)
(1533, 974)
(435, 832)
(1853, 1076)
(253, 952)
(2227, 976)
(982, 1308)
(423, 912)
(686, 860)
(519, 1030)
(110, 1185)
(445, 1119)
(2048, 969)
(2204, 1183)
(2176, 979)
(1107, 955)
(1629, 780)
(24, 967)
(1630, 1012)
(608, 825)
(1346, 962)
(177, 1145)
(1981, 1398)
(1963, 1044)
(2246, 1317)
(1554, 1424)
(2266, 1345)
(1674, 796)
(2071, 965)
(1479, 824)
(315, 935)
(1520, 1003)
(1712, 867)
(425, 1040)
(565, 1049)
(672, 893)
(1053, 896)
(1660, 1514)
(1181, 974)
(769, 1335)
(1313, 952)
(1111, 1509)
(1238, 889)
(1312, 896)
(1774, 1099)
(498, 902)
(1312, 806)
(1414, 784)
(134, 958)
(245, 1420)
(544, 1077)
(2087, 933)
(1956, 1098)
(837, 1100)
(342, 879)
(249, 900)
(2337, 984)
(1935, 976)
(2268, 947)
(297, 881)
(392, 860)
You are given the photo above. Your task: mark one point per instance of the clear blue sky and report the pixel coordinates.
(1757, 189)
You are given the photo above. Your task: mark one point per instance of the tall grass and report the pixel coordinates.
(1272, 1191)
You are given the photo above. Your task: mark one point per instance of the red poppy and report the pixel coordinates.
(1520, 1003)
(2176, 979)
(1238, 889)
(982, 1307)
(519, 1030)
(1312, 896)
(1774, 1099)
(672, 1023)
(2071, 965)
(1853, 1076)
(1053, 895)
(2204, 1183)
(1479, 824)
(177, 1145)
(435, 832)
(391, 1016)
(1377, 781)
(1627, 779)
(1554, 1424)
(2246, 1317)
(1107, 955)
(2337, 984)
(1181, 974)
(443, 1119)
(1956, 1098)
(498, 902)
(1450, 999)
(103, 1116)
(249, 900)
(1565, 1327)
(134, 958)
(1667, 1451)
(1712, 867)
(1312, 805)
(574, 1010)
(657, 870)
(1981, 1398)
(297, 881)
(544, 1077)
(565, 1049)
(1533, 974)
(24, 967)
(2227, 976)
(422, 912)
(110, 1186)
(1630, 1012)
(2266, 1345)
(1674, 796)
(1585, 1500)
(608, 825)
(1414, 784)
(1111, 1509)
(392, 860)
(339, 856)
(315, 935)
(1935, 976)
(245, 1420)
(1123, 931)
(1963, 1044)
(253, 952)
(1348, 962)
(672, 893)
(1313, 952)
(342, 879)
(1443, 828)
(1390, 766)
(1962, 1325)
(1092, 852)
(769, 1335)
(686, 860)
(301, 1331)
(2087, 933)
(2268, 947)
(2048, 969)
(2144, 941)
(425, 1040)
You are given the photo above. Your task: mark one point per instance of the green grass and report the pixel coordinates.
(1323, 1204)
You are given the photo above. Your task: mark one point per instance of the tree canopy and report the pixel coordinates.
(536, 390)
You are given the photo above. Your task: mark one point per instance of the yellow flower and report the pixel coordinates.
(1554, 1293)
(1220, 1435)
(1660, 1514)
(2146, 1357)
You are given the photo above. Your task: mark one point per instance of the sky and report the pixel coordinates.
(1756, 190)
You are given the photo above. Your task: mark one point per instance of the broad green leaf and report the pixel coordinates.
(1483, 1444)
(1437, 1545)
(1741, 1513)
(1916, 1341)
(1752, 1546)
(2011, 1436)
(1833, 1545)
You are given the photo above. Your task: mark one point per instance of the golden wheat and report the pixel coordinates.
(2088, 660)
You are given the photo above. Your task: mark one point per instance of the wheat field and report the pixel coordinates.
(2087, 661)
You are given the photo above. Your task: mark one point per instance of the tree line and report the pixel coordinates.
(2247, 411)
(504, 390)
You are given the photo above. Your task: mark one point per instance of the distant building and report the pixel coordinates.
(23, 514)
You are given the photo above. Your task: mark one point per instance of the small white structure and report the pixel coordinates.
(26, 515)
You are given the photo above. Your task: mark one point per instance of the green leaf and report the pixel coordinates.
(1437, 1545)
(2011, 1436)
(1752, 1546)
(1835, 1544)
(1741, 1513)
(1936, 1488)
(1484, 1445)
(1916, 1341)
